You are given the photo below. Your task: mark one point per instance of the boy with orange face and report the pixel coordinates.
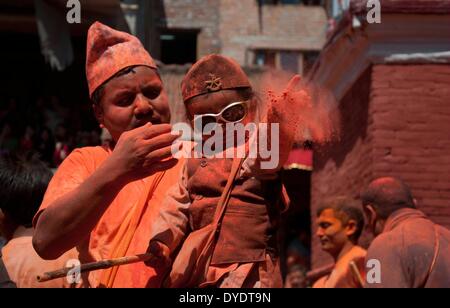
(216, 90)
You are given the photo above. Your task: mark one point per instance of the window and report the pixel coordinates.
(295, 61)
(309, 59)
(178, 46)
(289, 61)
(266, 58)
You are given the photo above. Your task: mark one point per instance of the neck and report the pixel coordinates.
(111, 145)
(347, 247)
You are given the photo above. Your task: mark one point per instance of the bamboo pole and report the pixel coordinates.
(94, 266)
(356, 273)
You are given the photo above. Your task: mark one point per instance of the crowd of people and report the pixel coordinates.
(47, 126)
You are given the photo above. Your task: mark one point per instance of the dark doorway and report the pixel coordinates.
(295, 231)
(178, 46)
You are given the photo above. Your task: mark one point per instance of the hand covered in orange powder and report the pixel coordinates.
(161, 255)
(286, 109)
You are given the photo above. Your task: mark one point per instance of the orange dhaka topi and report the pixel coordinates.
(213, 73)
(109, 51)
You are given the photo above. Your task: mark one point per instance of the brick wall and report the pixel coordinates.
(239, 19)
(234, 27)
(202, 15)
(172, 75)
(279, 27)
(344, 167)
(411, 110)
(395, 122)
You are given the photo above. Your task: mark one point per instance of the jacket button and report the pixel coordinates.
(203, 163)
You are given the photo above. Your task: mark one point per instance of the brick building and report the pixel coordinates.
(286, 34)
(392, 82)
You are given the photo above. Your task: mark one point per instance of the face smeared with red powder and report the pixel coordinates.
(132, 100)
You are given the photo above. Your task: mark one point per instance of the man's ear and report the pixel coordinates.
(371, 216)
(99, 114)
(350, 228)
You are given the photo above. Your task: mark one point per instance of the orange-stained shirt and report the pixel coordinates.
(24, 265)
(75, 169)
(342, 276)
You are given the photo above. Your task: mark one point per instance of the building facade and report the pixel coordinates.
(392, 82)
(281, 34)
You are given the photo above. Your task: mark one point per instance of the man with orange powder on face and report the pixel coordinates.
(102, 200)
(340, 222)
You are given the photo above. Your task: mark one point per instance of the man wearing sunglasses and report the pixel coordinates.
(217, 91)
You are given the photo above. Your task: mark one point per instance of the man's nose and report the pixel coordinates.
(319, 232)
(143, 106)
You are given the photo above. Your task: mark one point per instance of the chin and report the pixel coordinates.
(329, 247)
(325, 248)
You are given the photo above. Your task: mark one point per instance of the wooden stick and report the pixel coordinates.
(94, 266)
(356, 273)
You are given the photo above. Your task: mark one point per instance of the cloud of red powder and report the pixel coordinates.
(314, 120)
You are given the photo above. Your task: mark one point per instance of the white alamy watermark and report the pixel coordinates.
(373, 275)
(74, 14)
(74, 274)
(231, 140)
(374, 12)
